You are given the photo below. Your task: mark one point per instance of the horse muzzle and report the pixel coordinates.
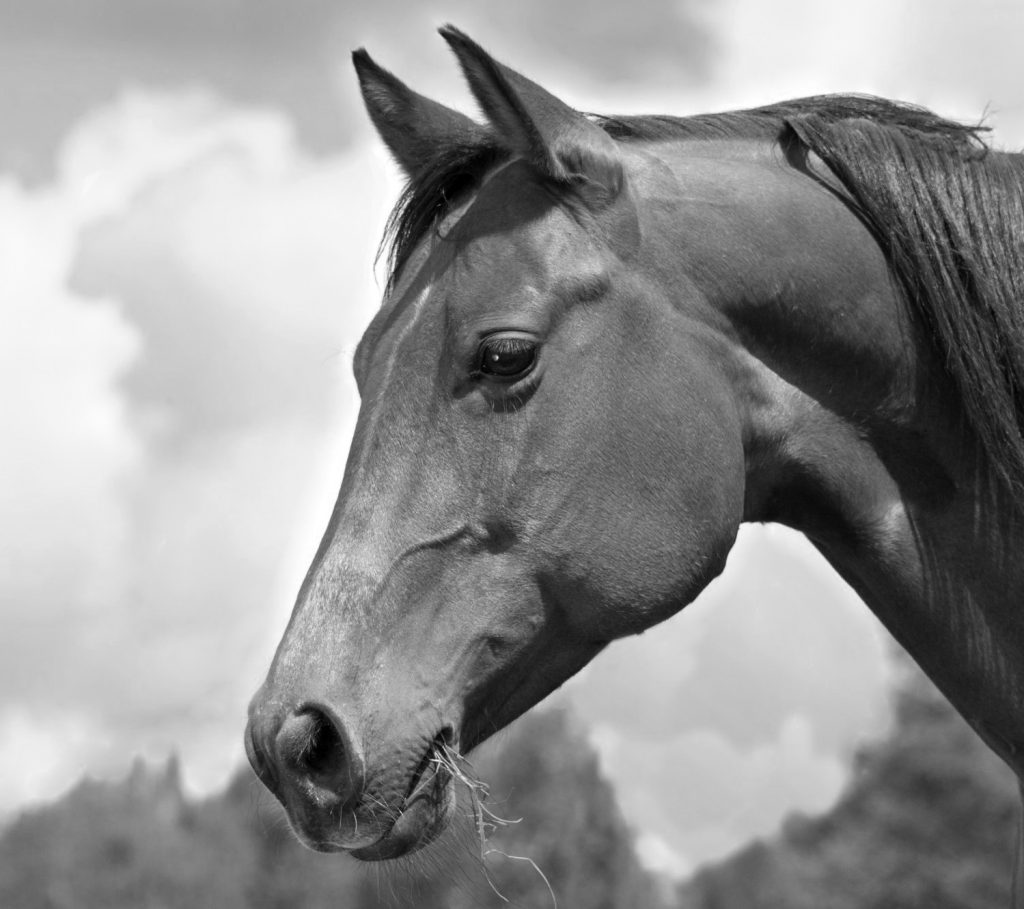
(312, 764)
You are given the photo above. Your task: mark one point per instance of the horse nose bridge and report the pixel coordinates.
(358, 573)
(401, 484)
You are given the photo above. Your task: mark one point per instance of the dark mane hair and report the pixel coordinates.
(947, 212)
(452, 174)
(949, 216)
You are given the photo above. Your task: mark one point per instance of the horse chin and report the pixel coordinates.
(423, 818)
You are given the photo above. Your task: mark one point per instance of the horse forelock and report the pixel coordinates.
(947, 212)
(453, 173)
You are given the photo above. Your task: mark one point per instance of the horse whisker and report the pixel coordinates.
(485, 820)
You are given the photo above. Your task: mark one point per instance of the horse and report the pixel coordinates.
(606, 342)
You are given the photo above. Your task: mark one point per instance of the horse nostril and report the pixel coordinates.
(314, 744)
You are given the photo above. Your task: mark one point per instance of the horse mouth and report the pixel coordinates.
(426, 811)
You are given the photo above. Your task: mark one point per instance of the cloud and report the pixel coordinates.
(960, 59)
(176, 363)
(699, 796)
(745, 706)
(205, 263)
(40, 757)
(61, 58)
(67, 451)
(651, 39)
(67, 446)
(966, 57)
(778, 632)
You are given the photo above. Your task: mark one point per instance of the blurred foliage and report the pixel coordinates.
(141, 844)
(928, 819)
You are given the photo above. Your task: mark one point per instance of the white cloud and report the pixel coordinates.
(42, 753)
(696, 796)
(795, 47)
(747, 705)
(956, 57)
(121, 149)
(656, 854)
(149, 560)
(960, 58)
(66, 445)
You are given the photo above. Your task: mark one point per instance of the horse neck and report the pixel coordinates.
(937, 563)
(855, 438)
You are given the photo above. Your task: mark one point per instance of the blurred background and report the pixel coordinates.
(191, 198)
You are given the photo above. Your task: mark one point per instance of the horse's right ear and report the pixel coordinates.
(414, 128)
(562, 143)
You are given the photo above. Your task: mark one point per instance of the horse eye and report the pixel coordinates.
(507, 358)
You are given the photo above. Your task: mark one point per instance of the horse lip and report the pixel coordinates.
(425, 812)
(430, 765)
(325, 846)
(421, 821)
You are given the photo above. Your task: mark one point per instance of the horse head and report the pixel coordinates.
(546, 458)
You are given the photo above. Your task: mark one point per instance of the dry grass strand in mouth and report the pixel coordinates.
(484, 820)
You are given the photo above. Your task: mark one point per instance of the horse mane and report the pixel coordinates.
(947, 211)
(948, 214)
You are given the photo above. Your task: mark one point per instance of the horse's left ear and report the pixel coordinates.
(414, 128)
(559, 141)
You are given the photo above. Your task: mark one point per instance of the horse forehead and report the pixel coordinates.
(511, 196)
(533, 253)
(515, 233)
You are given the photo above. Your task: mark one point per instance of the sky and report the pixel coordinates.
(190, 201)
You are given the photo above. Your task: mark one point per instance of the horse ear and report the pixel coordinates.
(414, 128)
(561, 142)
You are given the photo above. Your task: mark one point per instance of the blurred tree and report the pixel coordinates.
(928, 819)
(136, 843)
(140, 844)
(566, 831)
